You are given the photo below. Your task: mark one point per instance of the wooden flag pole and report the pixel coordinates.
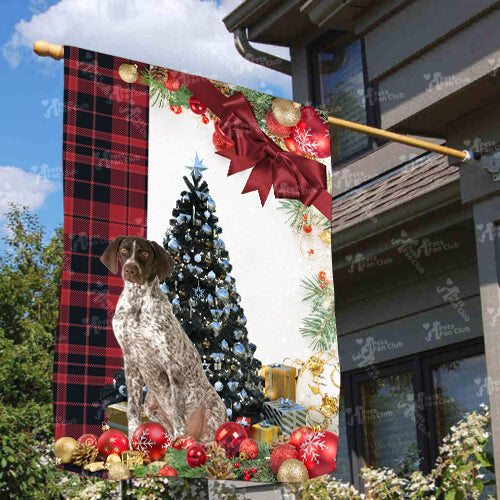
(43, 48)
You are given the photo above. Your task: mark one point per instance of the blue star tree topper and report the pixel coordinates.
(197, 167)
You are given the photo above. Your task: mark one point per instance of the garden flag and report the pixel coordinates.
(196, 332)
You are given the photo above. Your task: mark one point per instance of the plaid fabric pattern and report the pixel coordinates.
(105, 162)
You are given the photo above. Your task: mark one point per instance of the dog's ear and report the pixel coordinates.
(109, 258)
(164, 263)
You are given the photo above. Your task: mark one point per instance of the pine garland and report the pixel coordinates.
(320, 325)
(295, 210)
(161, 96)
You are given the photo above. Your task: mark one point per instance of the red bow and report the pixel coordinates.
(291, 176)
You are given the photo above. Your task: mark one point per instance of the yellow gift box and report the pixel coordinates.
(117, 416)
(279, 381)
(263, 432)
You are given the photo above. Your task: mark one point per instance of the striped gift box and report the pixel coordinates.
(286, 414)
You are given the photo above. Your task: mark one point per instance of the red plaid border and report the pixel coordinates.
(105, 162)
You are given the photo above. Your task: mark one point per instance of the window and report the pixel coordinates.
(339, 85)
(397, 413)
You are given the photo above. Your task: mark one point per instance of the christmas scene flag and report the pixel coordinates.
(197, 333)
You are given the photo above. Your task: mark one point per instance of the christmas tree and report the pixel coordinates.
(205, 301)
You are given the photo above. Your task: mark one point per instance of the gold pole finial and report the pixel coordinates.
(43, 48)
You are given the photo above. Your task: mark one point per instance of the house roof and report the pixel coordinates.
(402, 185)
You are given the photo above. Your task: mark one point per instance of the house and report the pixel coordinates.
(416, 247)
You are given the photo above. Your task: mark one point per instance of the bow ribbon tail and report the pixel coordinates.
(324, 204)
(261, 180)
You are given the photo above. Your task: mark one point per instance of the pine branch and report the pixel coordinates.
(295, 210)
(320, 327)
(161, 96)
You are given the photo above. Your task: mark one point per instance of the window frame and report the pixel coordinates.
(420, 364)
(338, 39)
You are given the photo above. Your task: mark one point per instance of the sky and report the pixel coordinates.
(186, 35)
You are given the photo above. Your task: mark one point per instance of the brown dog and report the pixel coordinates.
(156, 350)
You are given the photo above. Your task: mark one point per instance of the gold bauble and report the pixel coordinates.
(292, 471)
(113, 459)
(329, 406)
(64, 449)
(128, 72)
(286, 112)
(326, 237)
(118, 470)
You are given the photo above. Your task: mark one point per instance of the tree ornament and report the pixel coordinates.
(280, 454)
(250, 447)
(152, 439)
(311, 134)
(205, 119)
(206, 343)
(176, 109)
(280, 440)
(298, 436)
(84, 454)
(95, 466)
(220, 469)
(168, 471)
(112, 441)
(158, 74)
(292, 471)
(171, 83)
(276, 127)
(128, 72)
(230, 436)
(318, 452)
(113, 459)
(88, 439)
(215, 451)
(307, 228)
(322, 275)
(196, 106)
(292, 146)
(118, 470)
(64, 448)
(326, 237)
(286, 112)
(196, 456)
(221, 141)
(183, 442)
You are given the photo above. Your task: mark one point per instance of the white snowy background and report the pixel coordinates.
(267, 261)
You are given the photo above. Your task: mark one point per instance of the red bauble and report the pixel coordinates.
(196, 456)
(281, 453)
(205, 119)
(183, 442)
(89, 440)
(319, 453)
(250, 447)
(307, 228)
(298, 435)
(322, 275)
(176, 109)
(311, 134)
(152, 439)
(168, 471)
(275, 126)
(221, 141)
(112, 441)
(172, 83)
(230, 436)
(196, 106)
(292, 146)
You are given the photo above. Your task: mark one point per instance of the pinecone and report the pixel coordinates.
(277, 442)
(158, 74)
(214, 451)
(84, 454)
(222, 87)
(220, 469)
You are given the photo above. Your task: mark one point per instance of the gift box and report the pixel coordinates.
(286, 414)
(280, 381)
(246, 423)
(264, 432)
(117, 416)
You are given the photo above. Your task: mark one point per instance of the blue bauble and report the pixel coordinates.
(218, 386)
(197, 257)
(206, 229)
(222, 294)
(186, 258)
(174, 245)
(211, 275)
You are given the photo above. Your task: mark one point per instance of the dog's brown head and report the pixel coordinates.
(142, 260)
